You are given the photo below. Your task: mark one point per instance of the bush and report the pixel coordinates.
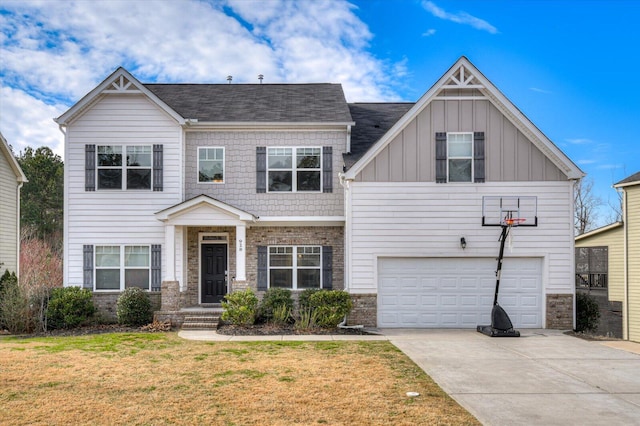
(305, 296)
(307, 319)
(240, 307)
(275, 300)
(15, 313)
(330, 307)
(6, 277)
(69, 307)
(134, 307)
(587, 313)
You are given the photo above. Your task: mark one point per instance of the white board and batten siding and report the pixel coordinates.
(427, 220)
(118, 216)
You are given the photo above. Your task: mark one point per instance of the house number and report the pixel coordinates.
(239, 245)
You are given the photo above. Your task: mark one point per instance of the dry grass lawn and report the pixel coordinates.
(160, 379)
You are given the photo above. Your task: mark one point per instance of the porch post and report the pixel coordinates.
(241, 258)
(170, 252)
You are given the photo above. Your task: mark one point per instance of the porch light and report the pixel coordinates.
(463, 243)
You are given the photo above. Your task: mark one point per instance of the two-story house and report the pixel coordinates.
(11, 180)
(192, 191)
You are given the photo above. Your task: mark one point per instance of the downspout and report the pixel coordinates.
(347, 241)
(625, 245)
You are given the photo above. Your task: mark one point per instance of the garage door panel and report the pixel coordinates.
(457, 292)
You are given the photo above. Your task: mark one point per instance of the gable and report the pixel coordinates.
(463, 100)
(10, 161)
(509, 154)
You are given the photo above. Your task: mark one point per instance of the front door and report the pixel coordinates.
(213, 277)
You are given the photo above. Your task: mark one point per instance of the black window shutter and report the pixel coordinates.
(87, 267)
(441, 157)
(478, 157)
(157, 167)
(89, 167)
(262, 268)
(327, 169)
(327, 267)
(156, 267)
(261, 169)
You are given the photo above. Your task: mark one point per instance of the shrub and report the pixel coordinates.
(307, 319)
(6, 277)
(281, 315)
(240, 307)
(134, 307)
(275, 299)
(330, 307)
(303, 298)
(14, 306)
(587, 313)
(69, 307)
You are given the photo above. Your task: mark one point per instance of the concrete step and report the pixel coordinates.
(199, 326)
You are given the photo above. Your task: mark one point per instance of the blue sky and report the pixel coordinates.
(570, 66)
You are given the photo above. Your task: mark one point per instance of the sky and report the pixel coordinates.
(572, 67)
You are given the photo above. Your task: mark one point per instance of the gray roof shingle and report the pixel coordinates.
(264, 103)
(633, 178)
(372, 120)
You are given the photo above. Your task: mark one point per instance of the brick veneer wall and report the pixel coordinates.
(365, 310)
(258, 236)
(560, 311)
(294, 236)
(106, 304)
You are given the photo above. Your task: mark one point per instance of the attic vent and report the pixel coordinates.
(229, 78)
(260, 77)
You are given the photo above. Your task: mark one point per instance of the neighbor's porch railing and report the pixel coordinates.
(591, 281)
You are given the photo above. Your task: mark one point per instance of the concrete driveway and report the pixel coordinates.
(543, 377)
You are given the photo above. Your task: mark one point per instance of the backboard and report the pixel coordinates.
(511, 210)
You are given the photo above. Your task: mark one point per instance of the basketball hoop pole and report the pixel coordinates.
(501, 325)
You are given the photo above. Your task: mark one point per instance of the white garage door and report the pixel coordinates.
(457, 292)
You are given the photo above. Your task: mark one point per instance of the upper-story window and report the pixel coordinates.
(294, 169)
(460, 157)
(210, 165)
(124, 167)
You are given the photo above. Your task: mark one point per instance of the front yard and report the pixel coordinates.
(161, 379)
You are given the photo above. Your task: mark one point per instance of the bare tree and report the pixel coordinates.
(615, 214)
(586, 204)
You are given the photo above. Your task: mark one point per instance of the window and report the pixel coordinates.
(295, 267)
(460, 157)
(210, 165)
(121, 267)
(294, 169)
(132, 172)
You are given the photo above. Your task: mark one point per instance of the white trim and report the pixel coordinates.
(294, 168)
(106, 87)
(174, 212)
(470, 157)
(503, 104)
(121, 267)
(15, 166)
(294, 266)
(201, 242)
(224, 165)
(599, 230)
(268, 125)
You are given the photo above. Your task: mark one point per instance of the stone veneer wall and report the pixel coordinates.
(106, 303)
(560, 311)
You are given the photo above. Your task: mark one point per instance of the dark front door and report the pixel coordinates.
(213, 278)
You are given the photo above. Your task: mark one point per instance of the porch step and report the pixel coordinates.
(206, 319)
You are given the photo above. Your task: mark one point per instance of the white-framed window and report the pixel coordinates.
(295, 267)
(120, 267)
(460, 157)
(291, 169)
(124, 167)
(210, 164)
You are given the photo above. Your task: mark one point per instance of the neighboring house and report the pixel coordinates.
(621, 240)
(11, 180)
(192, 191)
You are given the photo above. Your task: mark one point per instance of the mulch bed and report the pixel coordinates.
(274, 330)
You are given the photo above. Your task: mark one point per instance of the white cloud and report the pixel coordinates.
(537, 89)
(53, 53)
(579, 141)
(429, 32)
(459, 18)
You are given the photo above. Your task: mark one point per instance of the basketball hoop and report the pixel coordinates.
(514, 221)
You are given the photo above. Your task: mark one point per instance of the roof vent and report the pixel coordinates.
(229, 78)
(260, 77)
